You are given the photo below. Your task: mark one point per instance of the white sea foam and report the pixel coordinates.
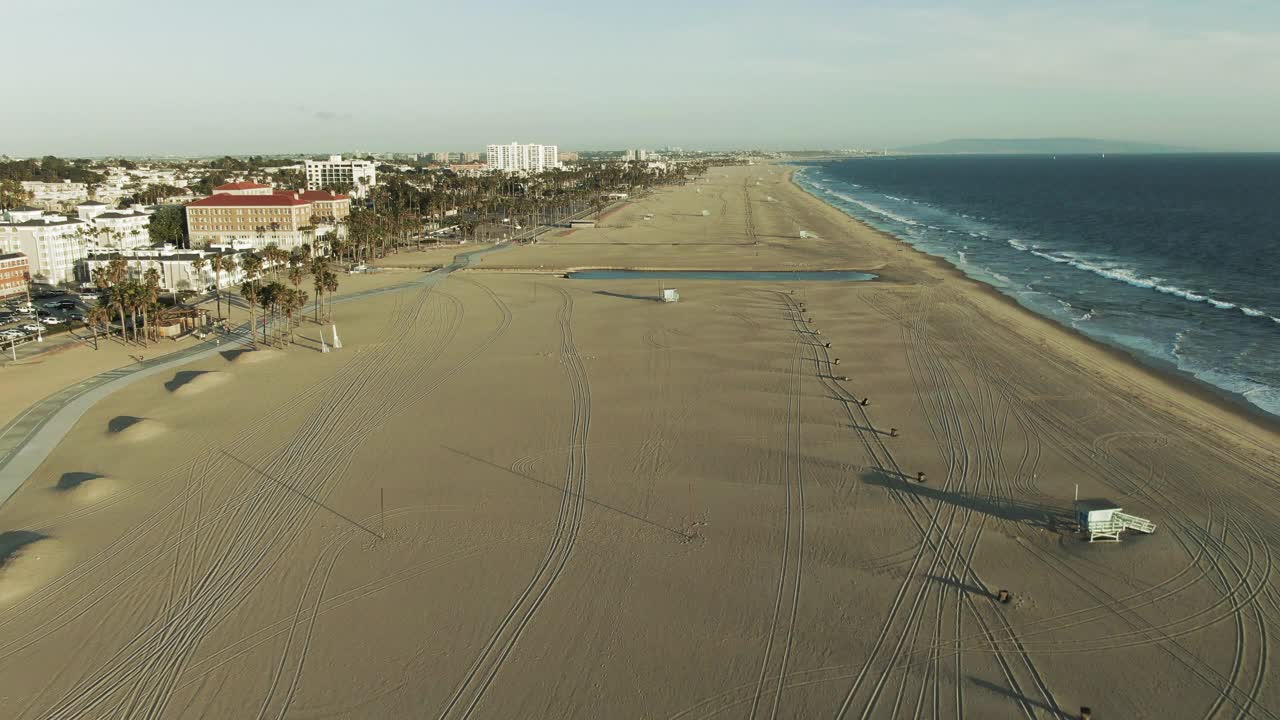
(1130, 277)
(1016, 244)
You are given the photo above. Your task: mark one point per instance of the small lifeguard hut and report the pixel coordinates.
(1104, 520)
(669, 295)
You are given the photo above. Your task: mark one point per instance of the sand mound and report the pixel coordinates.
(190, 382)
(249, 357)
(84, 487)
(127, 428)
(28, 561)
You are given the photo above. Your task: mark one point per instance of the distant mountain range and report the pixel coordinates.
(1037, 146)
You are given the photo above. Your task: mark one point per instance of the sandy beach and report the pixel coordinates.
(518, 495)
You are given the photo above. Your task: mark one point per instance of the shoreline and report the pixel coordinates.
(1166, 374)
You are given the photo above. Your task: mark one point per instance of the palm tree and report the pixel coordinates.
(97, 315)
(198, 265)
(331, 286)
(249, 291)
(150, 297)
(252, 266)
(318, 270)
(296, 272)
(294, 301)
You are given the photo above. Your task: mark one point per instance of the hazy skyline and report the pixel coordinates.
(145, 77)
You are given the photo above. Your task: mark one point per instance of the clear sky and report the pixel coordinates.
(95, 77)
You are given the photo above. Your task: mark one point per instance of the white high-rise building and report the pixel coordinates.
(522, 158)
(358, 175)
(53, 244)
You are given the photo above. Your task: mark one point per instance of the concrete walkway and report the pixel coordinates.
(28, 439)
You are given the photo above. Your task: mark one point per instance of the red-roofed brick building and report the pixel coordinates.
(286, 219)
(243, 188)
(14, 275)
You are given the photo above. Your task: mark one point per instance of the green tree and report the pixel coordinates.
(12, 194)
(168, 226)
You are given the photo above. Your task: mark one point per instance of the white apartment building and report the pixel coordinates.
(50, 195)
(637, 155)
(359, 175)
(522, 158)
(123, 229)
(53, 244)
(176, 268)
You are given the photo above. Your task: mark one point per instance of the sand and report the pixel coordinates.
(516, 495)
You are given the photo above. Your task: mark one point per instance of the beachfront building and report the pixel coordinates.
(54, 195)
(286, 219)
(15, 275)
(53, 244)
(637, 155)
(112, 228)
(522, 158)
(175, 266)
(356, 175)
(243, 188)
(469, 157)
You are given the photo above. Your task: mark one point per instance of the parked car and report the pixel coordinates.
(11, 333)
(65, 305)
(32, 328)
(26, 309)
(89, 296)
(51, 320)
(78, 317)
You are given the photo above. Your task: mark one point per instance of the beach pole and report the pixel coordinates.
(337, 344)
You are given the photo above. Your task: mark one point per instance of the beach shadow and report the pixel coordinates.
(120, 423)
(1036, 515)
(14, 540)
(855, 426)
(182, 378)
(625, 296)
(72, 480)
(231, 355)
(1019, 697)
(961, 586)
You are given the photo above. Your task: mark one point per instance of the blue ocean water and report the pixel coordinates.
(1174, 257)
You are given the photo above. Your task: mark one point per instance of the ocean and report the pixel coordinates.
(1173, 257)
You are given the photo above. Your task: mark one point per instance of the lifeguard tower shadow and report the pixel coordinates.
(1043, 517)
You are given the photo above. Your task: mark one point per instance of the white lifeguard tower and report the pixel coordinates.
(669, 295)
(1104, 520)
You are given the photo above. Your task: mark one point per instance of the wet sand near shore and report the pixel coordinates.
(516, 495)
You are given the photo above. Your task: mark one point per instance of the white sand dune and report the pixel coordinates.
(190, 383)
(28, 561)
(130, 429)
(84, 488)
(253, 357)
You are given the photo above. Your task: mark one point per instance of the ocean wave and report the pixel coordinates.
(1016, 244)
(1131, 277)
(877, 209)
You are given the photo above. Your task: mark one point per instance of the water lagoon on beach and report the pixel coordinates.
(766, 275)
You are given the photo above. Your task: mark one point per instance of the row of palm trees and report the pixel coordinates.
(277, 299)
(401, 205)
(120, 294)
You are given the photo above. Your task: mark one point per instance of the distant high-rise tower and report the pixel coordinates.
(522, 158)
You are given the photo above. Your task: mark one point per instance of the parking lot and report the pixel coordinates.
(48, 313)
